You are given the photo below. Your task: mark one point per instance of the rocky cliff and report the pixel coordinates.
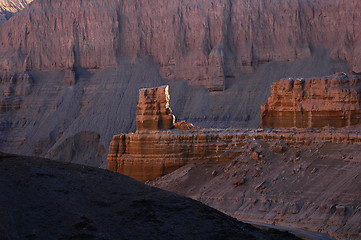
(94, 56)
(146, 155)
(204, 42)
(333, 101)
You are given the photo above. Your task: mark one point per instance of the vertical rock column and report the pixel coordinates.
(153, 111)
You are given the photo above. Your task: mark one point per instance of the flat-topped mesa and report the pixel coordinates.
(333, 101)
(153, 111)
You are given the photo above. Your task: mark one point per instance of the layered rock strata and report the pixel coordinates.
(146, 155)
(153, 111)
(333, 101)
(13, 87)
(204, 42)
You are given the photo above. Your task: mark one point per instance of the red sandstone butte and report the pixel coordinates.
(146, 155)
(153, 111)
(333, 101)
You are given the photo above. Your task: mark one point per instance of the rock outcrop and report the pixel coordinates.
(153, 111)
(203, 42)
(333, 101)
(93, 56)
(147, 155)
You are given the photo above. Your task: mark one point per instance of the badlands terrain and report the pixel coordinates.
(275, 130)
(81, 71)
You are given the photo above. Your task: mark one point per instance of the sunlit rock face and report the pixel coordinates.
(9, 7)
(153, 111)
(147, 155)
(333, 101)
(13, 5)
(156, 149)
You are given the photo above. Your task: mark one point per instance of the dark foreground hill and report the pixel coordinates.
(42, 199)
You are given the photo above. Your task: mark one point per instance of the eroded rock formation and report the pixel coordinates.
(147, 155)
(333, 101)
(204, 42)
(153, 111)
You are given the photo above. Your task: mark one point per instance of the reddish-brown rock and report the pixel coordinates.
(153, 111)
(9, 7)
(333, 101)
(321, 192)
(204, 42)
(146, 155)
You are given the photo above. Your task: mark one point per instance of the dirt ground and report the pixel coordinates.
(315, 188)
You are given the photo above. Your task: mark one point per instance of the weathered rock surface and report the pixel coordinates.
(315, 187)
(13, 88)
(146, 155)
(204, 42)
(9, 7)
(92, 203)
(147, 44)
(153, 111)
(13, 5)
(333, 101)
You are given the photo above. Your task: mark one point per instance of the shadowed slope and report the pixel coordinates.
(50, 200)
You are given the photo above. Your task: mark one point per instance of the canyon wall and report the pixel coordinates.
(88, 62)
(146, 155)
(204, 42)
(333, 101)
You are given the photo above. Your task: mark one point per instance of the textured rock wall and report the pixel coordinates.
(9, 7)
(13, 87)
(13, 5)
(153, 111)
(147, 155)
(333, 101)
(202, 41)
